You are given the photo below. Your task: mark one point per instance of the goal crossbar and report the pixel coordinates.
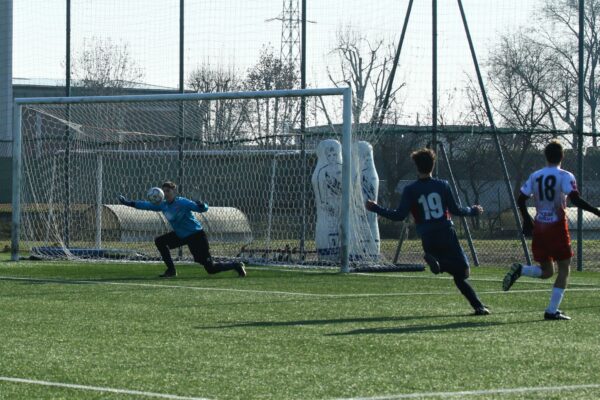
(185, 96)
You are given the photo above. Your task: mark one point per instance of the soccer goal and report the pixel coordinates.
(280, 171)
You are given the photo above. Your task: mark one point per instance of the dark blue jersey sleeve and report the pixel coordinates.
(453, 207)
(399, 213)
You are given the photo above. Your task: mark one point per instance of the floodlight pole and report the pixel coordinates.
(463, 219)
(7, 111)
(495, 134)
(305, 177)
(180, 170)
(181, 135)
(67, 174)
(580, 110)
(68, 51)
(388, 92)
(434, 74)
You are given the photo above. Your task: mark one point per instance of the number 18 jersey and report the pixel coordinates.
(550, 187)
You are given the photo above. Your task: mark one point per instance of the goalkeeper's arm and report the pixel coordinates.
(193, 205)
(202, 206)
(123, 200)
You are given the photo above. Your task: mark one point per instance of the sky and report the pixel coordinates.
(230, 34)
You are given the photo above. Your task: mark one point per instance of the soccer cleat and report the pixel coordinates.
(434, 265)
(169, 273)
(558, 315)
(241, 270)
(481, 311)
(512, 276)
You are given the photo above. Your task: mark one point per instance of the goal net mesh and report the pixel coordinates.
(273, 184)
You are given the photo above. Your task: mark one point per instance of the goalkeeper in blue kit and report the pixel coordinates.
(187, 230)
(431, 202)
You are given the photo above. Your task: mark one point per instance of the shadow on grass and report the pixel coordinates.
(429, 328)
(309, 322)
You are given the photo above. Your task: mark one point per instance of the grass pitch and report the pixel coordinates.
(116, 331)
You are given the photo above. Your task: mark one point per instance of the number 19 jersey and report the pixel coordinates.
(430, 201)
(550, 187)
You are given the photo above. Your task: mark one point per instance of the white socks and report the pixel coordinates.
(531, 270)
(555, 299)
(535, 271)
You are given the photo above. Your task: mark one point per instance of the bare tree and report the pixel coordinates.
(366, 67)
(522, 82)
(219, 119)
(273, 117)
(104, 67)
(559, 31)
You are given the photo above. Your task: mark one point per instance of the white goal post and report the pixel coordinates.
(245, 153)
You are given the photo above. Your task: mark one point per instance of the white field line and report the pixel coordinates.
(154, 285)
(277, 292)
(99, 389)
(427, 275)
(478, 392)
(523, 279)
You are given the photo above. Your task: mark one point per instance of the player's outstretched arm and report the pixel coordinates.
(371, 205)
(123, 200)
(193, 205)
(202, 206)
(398, 214)
(581, 203)
(476, 209)
(460, 211)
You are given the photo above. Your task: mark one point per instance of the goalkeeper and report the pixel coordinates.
(187, 230)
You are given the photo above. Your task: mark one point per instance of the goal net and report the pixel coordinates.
(283, 175)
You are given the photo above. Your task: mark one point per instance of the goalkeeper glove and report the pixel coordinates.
(201, 205)
(126, 202)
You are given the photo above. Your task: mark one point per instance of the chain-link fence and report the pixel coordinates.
(527, 52)
(474, 161)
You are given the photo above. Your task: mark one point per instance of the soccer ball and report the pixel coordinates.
(155, 195)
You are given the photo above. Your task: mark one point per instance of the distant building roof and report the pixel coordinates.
(61, 83)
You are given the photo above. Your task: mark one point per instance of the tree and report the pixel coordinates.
(104, 67)
(522, 86)
(272, 117)
(368, 75)
(219, 119)
(559, 32)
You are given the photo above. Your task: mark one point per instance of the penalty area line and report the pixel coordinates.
(99, 389)
(520, 390)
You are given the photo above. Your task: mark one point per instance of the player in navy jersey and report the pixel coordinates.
(551, 242)
(430, 202)
(187, 230)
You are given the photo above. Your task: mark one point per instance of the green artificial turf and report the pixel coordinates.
(288, 334)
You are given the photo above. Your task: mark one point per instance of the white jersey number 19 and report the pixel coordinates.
(432, 205)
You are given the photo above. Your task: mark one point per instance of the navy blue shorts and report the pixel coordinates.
(443, 244)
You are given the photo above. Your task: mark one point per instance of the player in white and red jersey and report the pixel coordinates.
(550, 188)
